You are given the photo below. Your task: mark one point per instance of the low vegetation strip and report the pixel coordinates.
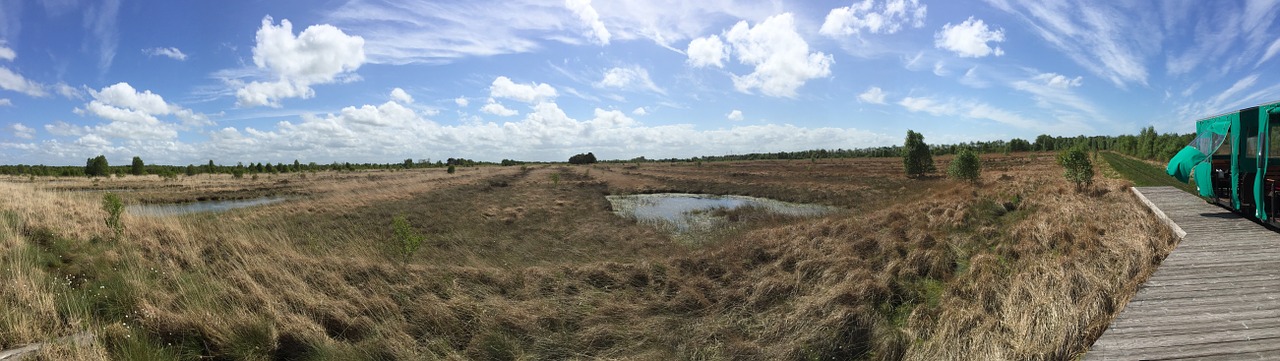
(1143, 174)
(534, 265)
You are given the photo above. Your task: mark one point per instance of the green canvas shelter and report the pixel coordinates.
(1235, 160)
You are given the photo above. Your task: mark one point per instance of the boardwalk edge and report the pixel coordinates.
(1159, 214)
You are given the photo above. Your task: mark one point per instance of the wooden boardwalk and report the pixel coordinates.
(1217, 295)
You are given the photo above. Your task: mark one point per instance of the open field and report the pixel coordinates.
(530, 263)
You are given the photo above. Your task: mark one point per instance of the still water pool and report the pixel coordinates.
(685, 212)
(155, 210)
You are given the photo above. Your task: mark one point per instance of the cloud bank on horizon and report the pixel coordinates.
(381, 81)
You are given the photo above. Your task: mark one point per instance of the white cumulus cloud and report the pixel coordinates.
(640, 111)
(780, 56)
(875, 17)
(135, 115)
(707, 51)
(735, 115)
(10, 80)
(495, 108)
(401, 96)
(5, 102)
(61, 128)
(503, 87)
(6, 53)
(588, 15)
(317, 55)
(387, 114)
(969, 39)
(873, 95)
(122, 95)
(92, 141)
(170, 52)
(22, 131)
(461, 101)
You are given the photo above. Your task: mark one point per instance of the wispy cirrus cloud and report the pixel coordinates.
(1223, 38)
(10, 80)
(1111, 40)
(631, 78)
(169, 52)
(434, 32)
(1054, 93)
(974, 109)
(101, 19)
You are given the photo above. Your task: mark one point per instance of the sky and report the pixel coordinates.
(185, 82)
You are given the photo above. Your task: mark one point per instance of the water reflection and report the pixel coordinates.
(155, 210)
(690, 212)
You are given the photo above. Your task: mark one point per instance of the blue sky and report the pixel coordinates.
(179, 82)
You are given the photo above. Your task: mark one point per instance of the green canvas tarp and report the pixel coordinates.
(1210, 134)
(1184, 163)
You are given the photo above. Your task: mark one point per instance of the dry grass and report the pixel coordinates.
(518, 266)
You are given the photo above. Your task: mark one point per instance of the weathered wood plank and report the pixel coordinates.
(1204, 339)
(1243, 348)
(1242, 298)
(1216, 296)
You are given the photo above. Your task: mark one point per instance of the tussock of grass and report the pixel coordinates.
(1021, 267)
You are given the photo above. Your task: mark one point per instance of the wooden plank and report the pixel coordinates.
(1203, 339)
(1240, 347)
(1149, 331)
(1230, 276)
(1216, 296)
(1243, 298)
(1216, 309)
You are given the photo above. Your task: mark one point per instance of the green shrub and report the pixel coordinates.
(916, 157)
(452, 169)
(138, 167)
(410, 240)
(555, 178)
(114, 207)
(966, 166)
(97, 167)
(1079, 169)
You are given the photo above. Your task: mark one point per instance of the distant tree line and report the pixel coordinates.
(99, 167)
(1147, 144)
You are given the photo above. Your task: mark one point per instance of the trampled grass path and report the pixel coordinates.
(1216, 296)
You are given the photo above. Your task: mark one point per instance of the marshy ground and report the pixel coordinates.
(530, 263)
